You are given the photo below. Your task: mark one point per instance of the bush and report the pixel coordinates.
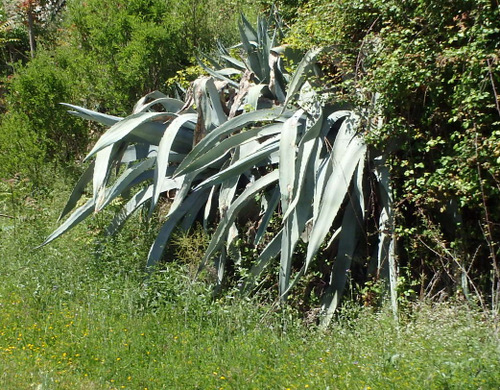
(434, 67)
(104, 57)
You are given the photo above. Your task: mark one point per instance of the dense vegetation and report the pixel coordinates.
(434, 68)
(103, 57)
(77, 315)
(402, 96)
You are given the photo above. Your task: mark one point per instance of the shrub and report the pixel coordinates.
(432, 64)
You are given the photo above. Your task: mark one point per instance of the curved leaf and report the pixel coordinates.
(192, 203)
(300, 74)
(226, 222)
(164, 152)
(78, 191)
(74, 219)
(105, 119)
(126, 126)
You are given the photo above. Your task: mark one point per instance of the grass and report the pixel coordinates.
(79, 314)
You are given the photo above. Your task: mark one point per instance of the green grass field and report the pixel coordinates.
(80, 314)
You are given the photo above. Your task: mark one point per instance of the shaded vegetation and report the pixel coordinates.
(434, 68)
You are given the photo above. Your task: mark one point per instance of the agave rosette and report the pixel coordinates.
(248, 129)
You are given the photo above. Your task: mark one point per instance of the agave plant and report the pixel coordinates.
(248, 131)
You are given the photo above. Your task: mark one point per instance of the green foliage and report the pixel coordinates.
(85, 319)
(102, 56)
(433, 65)
(262, 143)
(23, 151)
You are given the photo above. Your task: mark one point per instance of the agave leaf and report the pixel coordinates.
(249, 43)
(164, 151)
(248, 30)
(222, 51)
(358, 182)
(305, 170)
(168, 104)
(266, 218)
(266, 43)
(233, 62)
(289, 239)
(288, 152)
(228, 190)
(126, 181)
(217, 75)
(220, 264)
(293, 226)
(150, 96)
(240, 166)
(74, 219)
(208, 207)
(300, 74)
(136, 152)
(304, 166)
(348, 241)
(184, 189)
(227, 128)
(323, 167)
(253, 95)
(387, 264)
(229, 251)
(105, 119)
(270, 252)
(102, 168)
(219, 151)
(277, 82)
(225, 223)
(191, 203)
(335, 191)
(78, 191)
(126, 126)
(228, 72)
(137, 200)
(152, 132)
(218, 116)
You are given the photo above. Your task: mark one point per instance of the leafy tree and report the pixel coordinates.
(104, 56)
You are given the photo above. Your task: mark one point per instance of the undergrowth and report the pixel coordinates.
(82, 314)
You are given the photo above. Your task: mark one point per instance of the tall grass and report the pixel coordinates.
(80, 314)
